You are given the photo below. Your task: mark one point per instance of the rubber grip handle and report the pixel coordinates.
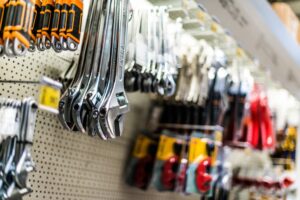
(3, 13)
(40, 19)
(10, 15)
(19, 15)
(56, 18)
(75, 20)
(23, 21)
(64, 18)
(30, 17)
(47, 20)
(36, 17)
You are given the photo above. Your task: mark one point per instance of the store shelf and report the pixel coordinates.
(260, 32)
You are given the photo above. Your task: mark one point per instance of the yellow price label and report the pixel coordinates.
(165, 147)
(201, 16)
(141, 146)
(240, 52)
(214, 27)
(49, 97)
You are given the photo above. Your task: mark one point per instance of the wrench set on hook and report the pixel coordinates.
(95, 102)
(27, 25)
(151, 63)
(16, 137)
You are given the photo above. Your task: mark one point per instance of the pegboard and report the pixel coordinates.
(73, 166)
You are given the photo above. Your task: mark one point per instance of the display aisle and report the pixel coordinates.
(137, 99)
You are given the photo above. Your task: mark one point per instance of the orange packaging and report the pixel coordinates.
(288, 17)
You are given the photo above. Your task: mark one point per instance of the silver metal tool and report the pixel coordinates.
(116, 104)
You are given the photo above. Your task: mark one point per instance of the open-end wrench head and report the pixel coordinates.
(23, 168)
(40, 45)
(19, 49)
(61, 115)
(56, 45)
(8, 48)
(46, 42)
(63, 42)
(32, 46)
(170, 86)
(72, 45)
(95, 126)
(79, 114)
(111, 115)
(113, 120)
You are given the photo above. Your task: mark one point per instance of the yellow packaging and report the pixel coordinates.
(198, 150)
(165, 147)
(141, 146)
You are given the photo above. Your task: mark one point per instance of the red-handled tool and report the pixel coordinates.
(203, 178)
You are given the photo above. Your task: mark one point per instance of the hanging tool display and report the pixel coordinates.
(151, 62)
(201, 90)
(234, 115)
(25, 25)
(16, 137)
(252, 126)
(184, 164)
(255, 177)
(95, 102)
(259, 128)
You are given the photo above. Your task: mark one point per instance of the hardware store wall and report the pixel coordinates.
(73, 166)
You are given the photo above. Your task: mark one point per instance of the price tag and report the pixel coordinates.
(49, 95)
(240, 52)
(201, 16)
(214, 27)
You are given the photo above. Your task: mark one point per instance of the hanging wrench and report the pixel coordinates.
(63, 24)
(74, 24)
(79, 106)
(69, 96)
(9, 156)
(101, 64)
(115, 105)
(165, 82)
(131, 74)
(105, 86)
(34, 25)
(40, 20)
(55, 42)
(47, 24)
(9, 22)
(24, 18)
(23, 159)
(148, 76)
